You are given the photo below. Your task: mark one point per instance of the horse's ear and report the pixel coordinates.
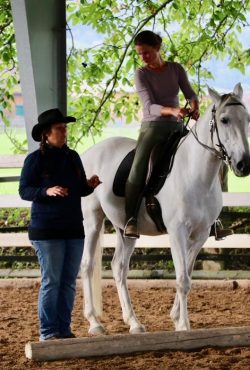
(238, 90)
(213, 95)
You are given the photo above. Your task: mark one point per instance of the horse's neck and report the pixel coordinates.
(202, 165)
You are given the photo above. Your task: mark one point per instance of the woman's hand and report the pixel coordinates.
(195, 114)
(94, 181)
(57, 191)
(180, 112)
(194, 111)
(175, 111)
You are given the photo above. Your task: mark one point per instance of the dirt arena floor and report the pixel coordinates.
(217, 304)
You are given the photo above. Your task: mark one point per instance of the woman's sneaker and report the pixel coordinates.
(67, 336)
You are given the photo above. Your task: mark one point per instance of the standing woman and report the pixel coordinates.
(54, 180)
(158, 84)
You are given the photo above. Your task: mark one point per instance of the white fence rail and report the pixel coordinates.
(109, 241)
(16, 161)
(229, 199)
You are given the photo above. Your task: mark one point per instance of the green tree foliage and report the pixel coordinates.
(100, 78)
(193, 31)
(8, 62)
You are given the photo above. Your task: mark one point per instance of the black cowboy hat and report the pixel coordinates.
(46, 119)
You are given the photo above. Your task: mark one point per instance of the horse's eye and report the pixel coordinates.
(224, 120)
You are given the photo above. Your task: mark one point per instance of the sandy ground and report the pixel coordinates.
(210, 305)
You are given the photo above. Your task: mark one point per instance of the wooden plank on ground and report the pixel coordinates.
(63, 349)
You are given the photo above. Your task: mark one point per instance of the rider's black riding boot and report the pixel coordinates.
(219, 232)
(133, 198)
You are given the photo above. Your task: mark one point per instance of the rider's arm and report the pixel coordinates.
(144, 90)
(188, 92)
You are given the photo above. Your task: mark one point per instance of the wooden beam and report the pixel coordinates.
(12, 161)
(124, 344)
(236, 199)
(109, 241)
(13, 201)
(162, 241)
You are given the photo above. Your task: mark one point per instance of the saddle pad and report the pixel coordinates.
(122, 174)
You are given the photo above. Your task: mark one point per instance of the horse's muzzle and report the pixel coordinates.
(243, 167)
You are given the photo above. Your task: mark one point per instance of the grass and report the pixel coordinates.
(235, 184)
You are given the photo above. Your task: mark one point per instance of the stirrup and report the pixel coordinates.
(219, 232)
(130, 229)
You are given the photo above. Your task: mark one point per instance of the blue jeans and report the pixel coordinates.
(59, 261)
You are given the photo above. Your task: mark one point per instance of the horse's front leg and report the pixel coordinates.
(120, 267)
(179, 312)
(191, 255)
(92, 227)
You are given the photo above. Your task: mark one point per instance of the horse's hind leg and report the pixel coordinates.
(93, 224)
(120, 267)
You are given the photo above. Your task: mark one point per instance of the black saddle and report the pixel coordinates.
(160, 165)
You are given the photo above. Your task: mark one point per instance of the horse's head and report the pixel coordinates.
(230, 128)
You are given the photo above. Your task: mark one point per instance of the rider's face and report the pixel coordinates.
(148, 54)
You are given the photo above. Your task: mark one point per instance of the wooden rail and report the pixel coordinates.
(109, 241)
(229, 199)
(110, 345)
(16, 161)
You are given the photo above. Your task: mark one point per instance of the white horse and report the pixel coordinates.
(191, 200)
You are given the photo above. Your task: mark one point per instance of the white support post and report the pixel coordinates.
(40, 31)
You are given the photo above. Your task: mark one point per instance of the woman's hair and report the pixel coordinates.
(43, 142)
(149, 38)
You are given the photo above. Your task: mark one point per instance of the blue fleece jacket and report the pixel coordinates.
(54, 217)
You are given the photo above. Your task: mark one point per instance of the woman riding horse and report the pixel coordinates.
(158, 84)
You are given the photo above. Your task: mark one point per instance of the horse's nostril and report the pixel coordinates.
(240, 166)
(244, 166)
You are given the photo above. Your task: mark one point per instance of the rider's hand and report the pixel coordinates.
(94, 181)
(184, 112)
(57, 191)
(180, 112)
(195, 114)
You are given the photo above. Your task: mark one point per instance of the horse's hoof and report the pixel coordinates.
(182, 327)
(97, 330)
(137, 330)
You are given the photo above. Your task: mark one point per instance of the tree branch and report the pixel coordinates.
(113, 80)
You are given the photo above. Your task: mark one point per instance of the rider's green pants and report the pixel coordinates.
(151, 134)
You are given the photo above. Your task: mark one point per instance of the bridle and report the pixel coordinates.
(221, 152)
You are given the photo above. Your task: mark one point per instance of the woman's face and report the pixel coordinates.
(148, 54)
(57, 136)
